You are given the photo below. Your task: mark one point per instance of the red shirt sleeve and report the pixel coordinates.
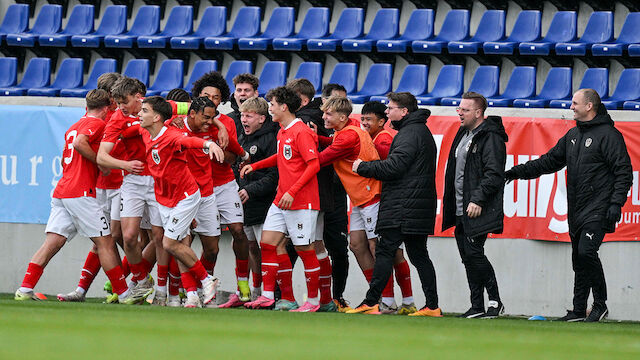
(131, 131)
(113, 129)
(307, 144)
(345, 145)
(93, 129)
(324, 140)
(271, 161)
(192, 142)
(313, 166)
(383, 144)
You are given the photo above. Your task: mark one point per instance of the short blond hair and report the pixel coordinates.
(257, 105)
(338, 104)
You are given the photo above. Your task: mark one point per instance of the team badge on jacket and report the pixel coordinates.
(587, 142)
(253, 150)
(287, 152)
(155, 156)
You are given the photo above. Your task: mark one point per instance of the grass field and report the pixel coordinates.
(53, 330)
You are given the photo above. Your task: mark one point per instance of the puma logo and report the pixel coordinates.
(590, 236)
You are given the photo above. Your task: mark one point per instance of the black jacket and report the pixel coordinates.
(408, 175)
(483, 180)
(311, 113)
(235, 115)
(599, 170)
(261, 184)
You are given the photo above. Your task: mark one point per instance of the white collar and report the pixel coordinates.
(162, 131)
(292, 123)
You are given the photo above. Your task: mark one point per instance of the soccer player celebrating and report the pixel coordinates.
(294, 211)
(175, 188)
(74, 207)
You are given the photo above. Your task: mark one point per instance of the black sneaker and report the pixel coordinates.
(472, 314)
(494, 309)
(598, 312)
(572, 317)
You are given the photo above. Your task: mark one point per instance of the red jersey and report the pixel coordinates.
(167, 163)
(297, 145)
(199, 162)
(114, 179)
(79, 174)
(134, 148)
(382, 142)
(222, 173)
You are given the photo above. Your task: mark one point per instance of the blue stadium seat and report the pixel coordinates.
(114, 22)
(413, 80)
(490, 28)
(419, 27)
(486, 81)
(100, 67)
(139, 69)
(80, 23)
(454, 28)
(36, 75)
(561, 30)
(315, 25)
(448, 84)
(345, 74)
(384, 27)
(16, 20)
(200, 68)
(236, 68)
(628, 89)
(377, 83)
(180, 23)
(215, 25)
(311, 71)
(247, 24)
(274, 74)
(281, 25)
(169, 76)
(147, 22)
(593, 78)
(350, 25)
(557, 86)
(599, 30)
(630, 34)
(48, 21)
(525, 29)
(8, 72)
(522, 84)
(634, 50)
(69, 76)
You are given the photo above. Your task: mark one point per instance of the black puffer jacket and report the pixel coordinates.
(235, 115)
(599, 170)
(261, 184)
(408, 175)
(483, 179)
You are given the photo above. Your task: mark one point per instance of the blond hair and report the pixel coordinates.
(338, 104)
(257, 105)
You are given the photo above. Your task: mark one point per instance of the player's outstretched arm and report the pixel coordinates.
(223, 134)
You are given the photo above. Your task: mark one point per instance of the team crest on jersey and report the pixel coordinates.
(253, 150)
(175, 221)
(287, 152)
(300, 226)
(368, 220)
(588, 142)
(155, 156)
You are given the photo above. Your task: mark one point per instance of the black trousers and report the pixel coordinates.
(416, 249)
(480, 273)
(587, 266)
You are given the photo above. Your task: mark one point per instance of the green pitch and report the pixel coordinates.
(53, 330)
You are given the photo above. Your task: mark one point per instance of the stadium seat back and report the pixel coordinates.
(599, 29)
(37, 74)
(414, 79)
(80, 21)
(200, 68)
(114, 20)
(385, 24)
(596, 79)
(274, 74)
(169, 76)
(345, 74)
(526, 27)
(139, 69)
(420, 25)
(281, 23)
(521, 84)
(16, 20)
(8, 71)
(486, 81)
(455, 26)
(49, 20)
(100, 67)
(562, 28)
(215, 22)
(491, 26)
(180, 21)
(315, 23)
(350, 24)
(449, 81)
(311, 71)
(238, 67)
(147, 21)
(377, 83)
(628, 87)
(630, 32)
(69, 74)
(247, 23)
(557, 85)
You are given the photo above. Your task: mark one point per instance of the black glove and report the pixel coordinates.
(509, 176)
(613, 213)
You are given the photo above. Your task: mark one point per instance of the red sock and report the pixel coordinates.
(188, 281)
(89, 270)
(31, 277)
(242, 270)
(388, 289)
(325, 279)
(285, 271)
(208, 265)
(125, 267)
(146, 266)
(163, 272)
(403, 277)
(311, 272)
(269, 267)
(174, 277)
(116, 276)
(368, 274)
(198, 271)
(136, 271)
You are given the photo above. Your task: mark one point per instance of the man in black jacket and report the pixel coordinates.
(407, 202)
(599, 176)
(246, 87)
(473, 193)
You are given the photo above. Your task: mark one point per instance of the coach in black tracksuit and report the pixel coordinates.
(473, 193)
(599, 176)
(408, 199)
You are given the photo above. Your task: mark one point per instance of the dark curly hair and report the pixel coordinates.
(286, 96)
(178, 94)
(213, 79)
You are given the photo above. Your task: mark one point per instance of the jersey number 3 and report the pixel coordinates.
(71, 135)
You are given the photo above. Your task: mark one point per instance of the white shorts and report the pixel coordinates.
(365, 219)
(253, 232)
(299, 225)
(208, 218)
(111, 202)
(229, 203)
(320, 226)
(177, 220)
(137, 195)
(77, 215)
(145, 223)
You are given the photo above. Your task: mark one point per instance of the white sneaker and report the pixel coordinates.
(159, 299)
(174, 301)
(209, 289)
(193, 302)
(73, 296)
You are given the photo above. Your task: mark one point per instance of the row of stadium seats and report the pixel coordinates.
(520, 90)
(348, 35)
